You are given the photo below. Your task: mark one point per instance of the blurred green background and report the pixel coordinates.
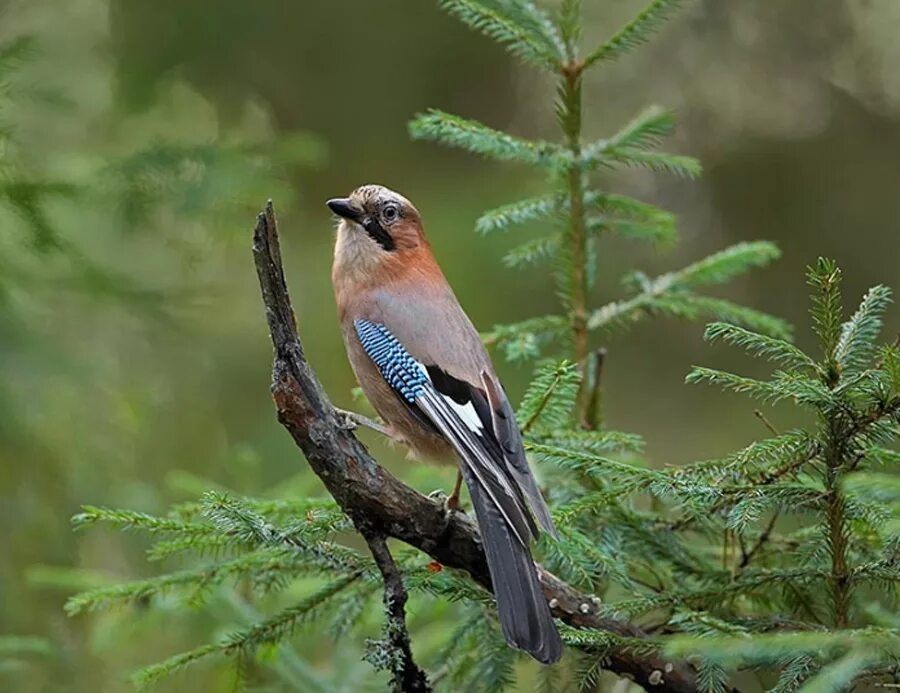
(138, 140)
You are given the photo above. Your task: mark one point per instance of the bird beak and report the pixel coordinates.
(344, 208)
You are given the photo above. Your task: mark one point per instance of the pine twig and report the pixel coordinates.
(768, 424)
(541, 405)
(760, 542)
(376, 500)
(595, 402)
(406, 674)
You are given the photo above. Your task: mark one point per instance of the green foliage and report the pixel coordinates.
(636, 32)
(673, 294)
(519, 25)
(729, 557)
(480, 139)
(782, 557)
(525, 340)
(825, 278)
(521, 212)
(632, 146)
(20, 651)
(550, 399)
(579, 213)
(857, 408)
(22, 192)
(769, 348)
(856, 345)
(725, 561)
(212, 180)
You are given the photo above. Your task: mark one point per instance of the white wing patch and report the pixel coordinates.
(466, 412)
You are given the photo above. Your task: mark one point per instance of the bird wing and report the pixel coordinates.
(479, 424)
(436, 332)
(509, 438)
(452, 406)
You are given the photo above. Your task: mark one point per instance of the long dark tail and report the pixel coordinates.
(524, 615)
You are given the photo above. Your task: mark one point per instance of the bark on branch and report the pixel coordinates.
(406, 677)
(378, 503)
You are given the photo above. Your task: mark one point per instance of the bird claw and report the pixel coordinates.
(449, 507)
(345, 422)
(350, 421)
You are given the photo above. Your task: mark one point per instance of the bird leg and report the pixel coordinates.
(352, 420)
(453, 500)
(449, 503)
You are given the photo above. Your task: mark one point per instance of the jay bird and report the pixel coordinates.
(421, 363)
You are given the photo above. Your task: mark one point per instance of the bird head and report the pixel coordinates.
(380, 218)
(379, 236)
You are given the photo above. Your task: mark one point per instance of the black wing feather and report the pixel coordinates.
(477, 458)
(524, 614)
(509, 438)
(500, 436)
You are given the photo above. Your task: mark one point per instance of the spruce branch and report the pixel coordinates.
(659, 162)
(632, 144)
(480, 139)
(519, 25)
(133, 520)
(629, 218)
(627, 207)
(549, 398)
(378, 502)
(837, 530)
(762, 648)
(283, 562)
(521, 212)
(532, 252)
(282, 624)
(645, 131)
(778, 350)
(851, 392)
(825, 279)
(394, 653)
(856, 345)
(659, 233)
(724, 265)
(270, 630)
(523, 340)
(673, 294)
(636, 32)
(569, 23)
(747, 556)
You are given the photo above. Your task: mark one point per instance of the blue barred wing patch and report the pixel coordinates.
(401, 371)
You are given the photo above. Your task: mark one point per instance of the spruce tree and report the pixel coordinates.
(779, 561)
(574, 213)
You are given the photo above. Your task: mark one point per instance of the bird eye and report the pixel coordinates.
(390, 213)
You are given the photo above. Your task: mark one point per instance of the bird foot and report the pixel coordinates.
(345, 422)
(450, 504)
(350, 421)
